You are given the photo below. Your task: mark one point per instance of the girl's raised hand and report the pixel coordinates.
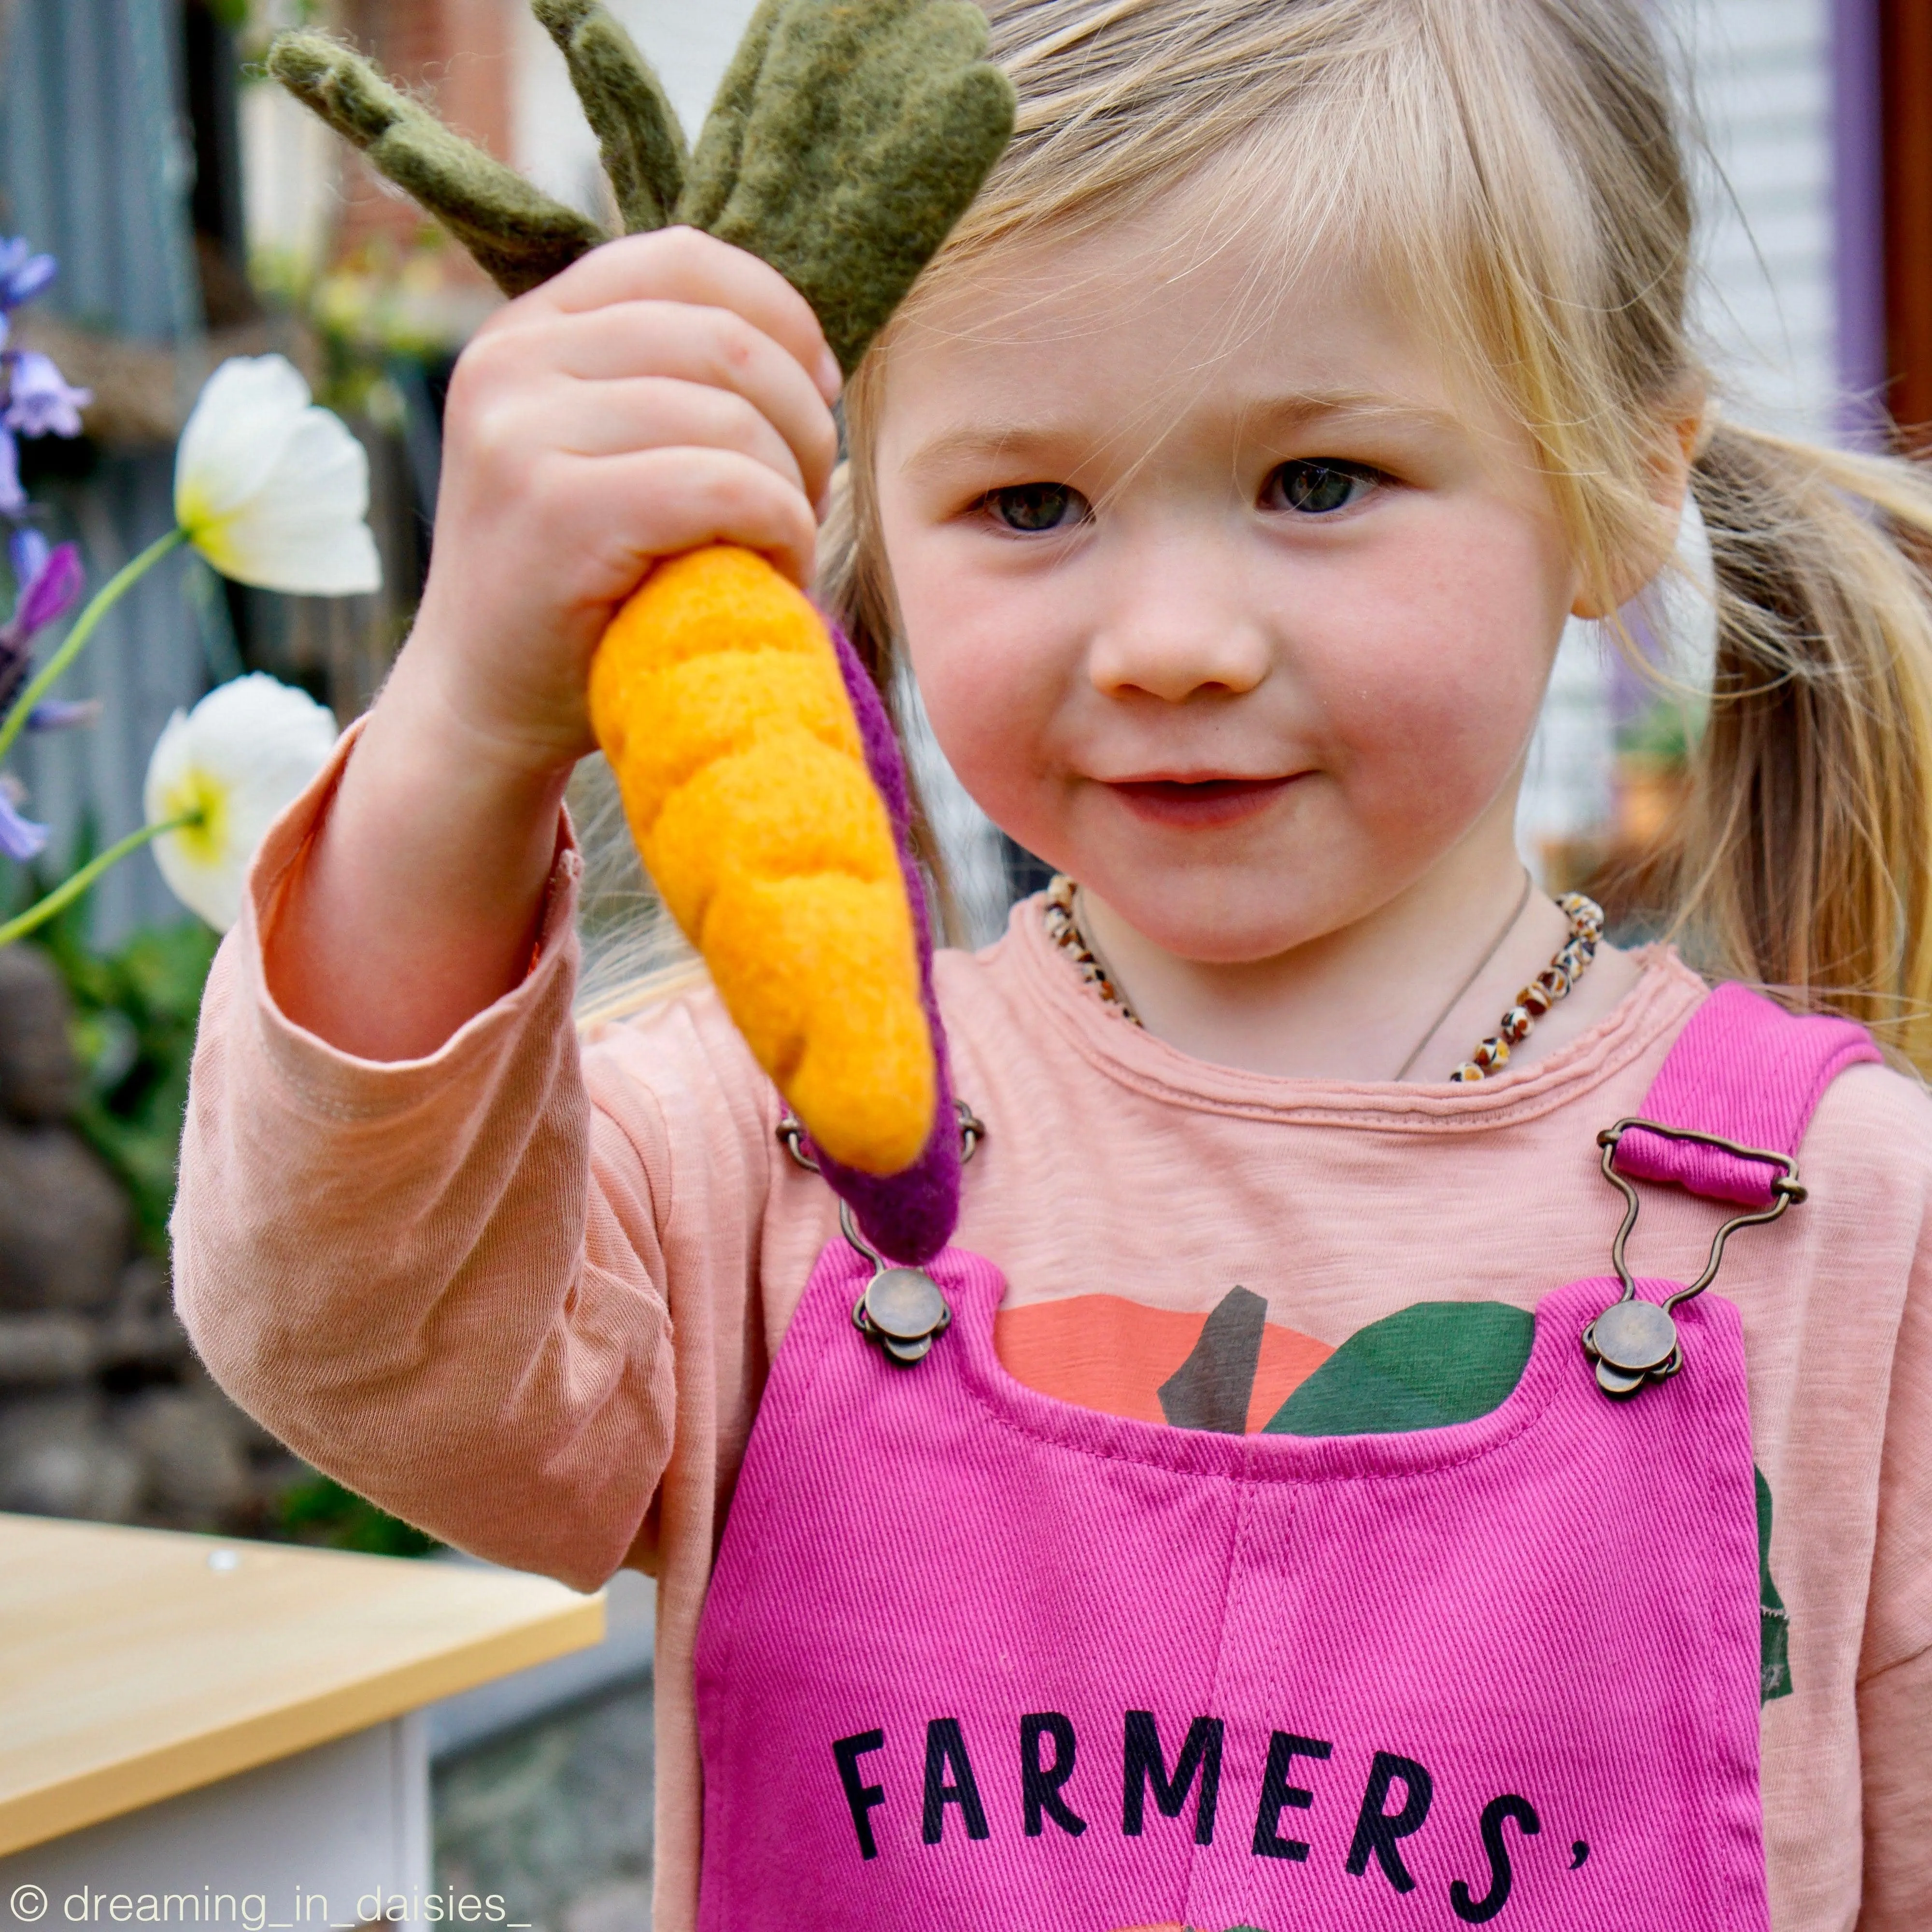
(664, 391)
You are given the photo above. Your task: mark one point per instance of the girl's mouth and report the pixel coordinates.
(1198, 804)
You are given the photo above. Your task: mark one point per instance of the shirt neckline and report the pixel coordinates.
(1666, 995)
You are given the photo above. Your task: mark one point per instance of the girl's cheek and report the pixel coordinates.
(1430, 720)
(993, 674)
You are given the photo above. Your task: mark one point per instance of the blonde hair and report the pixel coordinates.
(1516, 172)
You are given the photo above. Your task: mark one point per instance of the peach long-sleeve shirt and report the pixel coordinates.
(524, 1292)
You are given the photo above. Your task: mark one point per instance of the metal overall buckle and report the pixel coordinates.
(1634, 1342)
(902, 1309)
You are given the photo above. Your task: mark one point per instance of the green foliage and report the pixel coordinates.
(135, 1010)
(318, 1509)
(1665, 733)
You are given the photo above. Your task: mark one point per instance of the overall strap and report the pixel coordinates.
(1748, 1071)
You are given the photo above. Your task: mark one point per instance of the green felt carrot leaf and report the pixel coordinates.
(846, 141)
(518, 234)
(636, 126)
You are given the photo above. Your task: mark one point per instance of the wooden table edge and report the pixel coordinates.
(32, 1817)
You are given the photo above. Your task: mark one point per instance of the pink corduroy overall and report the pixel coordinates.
(974, 1657)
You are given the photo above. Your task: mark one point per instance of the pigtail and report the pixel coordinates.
(854, 590)
(1805, 857)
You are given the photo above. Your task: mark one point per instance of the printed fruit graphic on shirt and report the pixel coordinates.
(846, 138)
(1429, 1366)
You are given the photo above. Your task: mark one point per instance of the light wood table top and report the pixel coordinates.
(135, 1664)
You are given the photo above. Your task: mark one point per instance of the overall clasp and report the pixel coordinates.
(1633, 1342)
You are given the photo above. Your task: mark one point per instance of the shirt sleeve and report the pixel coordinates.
(1895, 1670)
(1894, 1722)
(440, 1280)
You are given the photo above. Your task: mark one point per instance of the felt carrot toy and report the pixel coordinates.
(717, 697)
(848, 137)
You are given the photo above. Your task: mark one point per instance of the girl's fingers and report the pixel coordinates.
(683, 265)
(692, 344)
(623, 418)
(679, 498)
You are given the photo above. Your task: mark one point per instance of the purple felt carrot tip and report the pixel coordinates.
(910, 1215)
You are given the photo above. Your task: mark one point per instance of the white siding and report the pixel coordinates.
(1760, 77)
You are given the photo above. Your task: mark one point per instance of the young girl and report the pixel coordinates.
(1242, 1553)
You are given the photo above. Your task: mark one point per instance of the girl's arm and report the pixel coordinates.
(1895, 1736)
(446, 1281)
(406, 1269)
(404, 1239)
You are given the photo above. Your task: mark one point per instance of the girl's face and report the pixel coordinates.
(1221, 597)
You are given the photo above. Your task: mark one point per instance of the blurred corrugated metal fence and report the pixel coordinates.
(96, 167)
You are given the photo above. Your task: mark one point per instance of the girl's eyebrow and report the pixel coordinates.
(969, 442)
(1300, 411)
(1308, 407)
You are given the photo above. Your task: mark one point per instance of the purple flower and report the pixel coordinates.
(27, 552)
(40, 400)
(12, 498)
(23, 274)
(35, 398)
(49, 581)
(63, 714)
(20, 838)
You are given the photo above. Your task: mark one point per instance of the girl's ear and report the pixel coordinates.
(1678, 431)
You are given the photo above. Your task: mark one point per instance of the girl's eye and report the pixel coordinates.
(1031, 508)
(1319, 486)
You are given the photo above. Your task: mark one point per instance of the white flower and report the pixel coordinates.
(272, 490)
(234, 763)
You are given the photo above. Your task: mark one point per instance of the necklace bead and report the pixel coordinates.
(1571, 962)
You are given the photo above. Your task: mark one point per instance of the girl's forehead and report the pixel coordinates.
(1158, 313)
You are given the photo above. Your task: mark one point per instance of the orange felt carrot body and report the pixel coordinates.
(716, 695)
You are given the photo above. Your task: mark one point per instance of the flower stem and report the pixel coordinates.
(103, 600)
(68, 890)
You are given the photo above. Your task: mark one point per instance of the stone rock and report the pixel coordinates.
(45, 1350)
(194, 1467)
(64, 1223)
(57, 1458)
(142, 1333)
(556, 1815)
(40, 1078)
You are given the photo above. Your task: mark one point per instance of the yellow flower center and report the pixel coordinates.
(206, 531)
(201, 799)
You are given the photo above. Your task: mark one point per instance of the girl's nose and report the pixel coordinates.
(1171, 647)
